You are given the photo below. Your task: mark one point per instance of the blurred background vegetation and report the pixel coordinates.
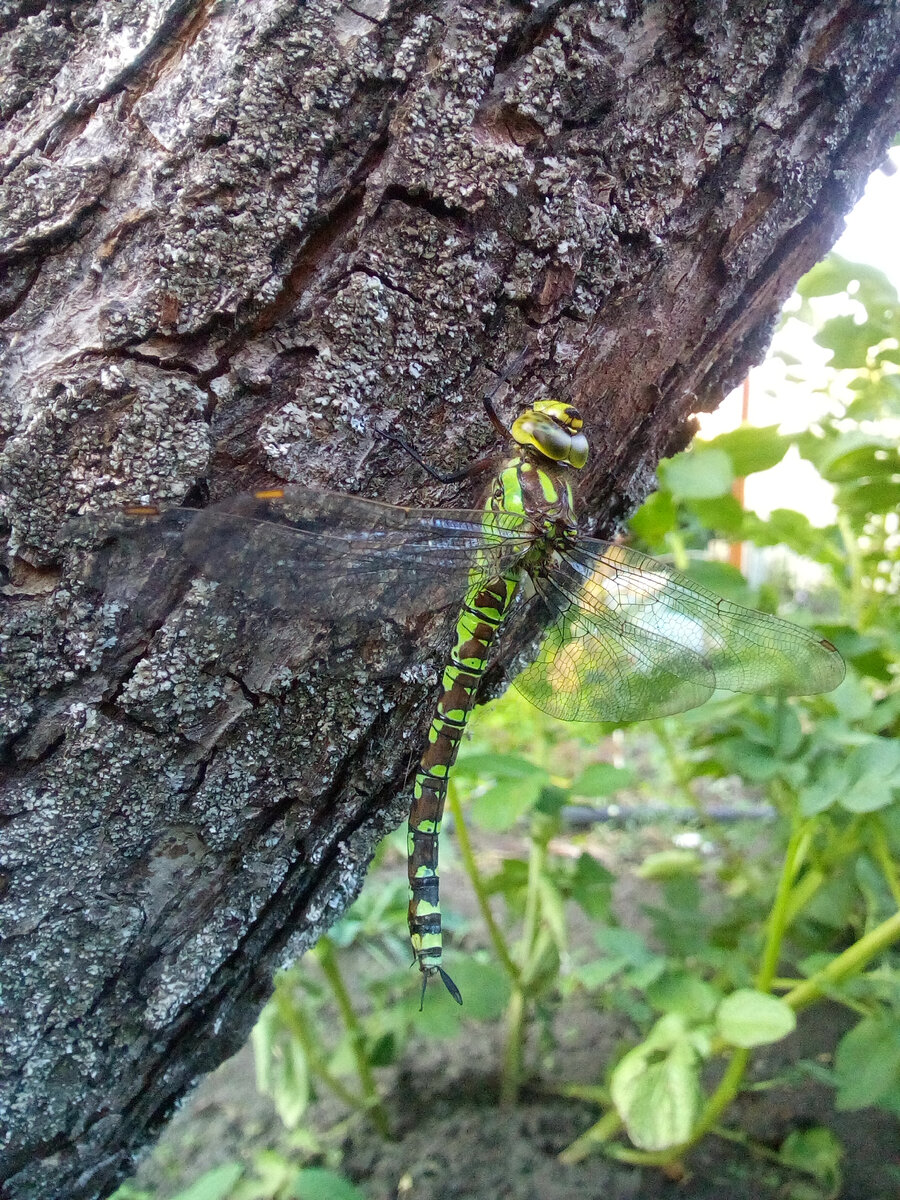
(700, 880)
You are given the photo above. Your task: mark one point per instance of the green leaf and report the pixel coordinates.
(848, 340)
(860, 500)
(723, 514)
(656, 517)
(685, 993)
(872, 773)
(855, 455)
(867, 1062)
(832, 275)
(215, 1184)
(751, 448)
(602, 779)
(722, 578)
(665, 864)
(832, 905)
(497, 766)
(485, 988)
(697, 474)
(749, 1018)
(501, 806)
(874, 291)
(595, 974)
(511, 877)
(316, 1183)
(591, 887)
(876, 398)
(864, 780)
(752, 761)
(817, 1152)
(656, 1087)
(623, 944)
(282, 1070)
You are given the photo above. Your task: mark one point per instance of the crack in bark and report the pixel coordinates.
(56, 134)
(539, 23)
(418, 198)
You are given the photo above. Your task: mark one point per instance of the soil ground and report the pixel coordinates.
(453, 1142)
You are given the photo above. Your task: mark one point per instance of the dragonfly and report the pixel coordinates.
(615, 635)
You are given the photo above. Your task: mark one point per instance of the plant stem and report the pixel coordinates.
(679, 770)
(513, 1055)
(850, 963)
(328, 962)
(855, 563)
(537, 860)
(299, 1022)
(781, 908)
(601, 1131)
(471, 867)
(512, 1050)
(846, 965)
(730, 1083)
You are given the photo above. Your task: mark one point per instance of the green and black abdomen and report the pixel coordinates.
(485, 607)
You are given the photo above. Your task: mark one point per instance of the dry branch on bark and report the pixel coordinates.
(238, 237)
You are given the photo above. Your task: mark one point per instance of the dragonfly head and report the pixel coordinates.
(553, 427)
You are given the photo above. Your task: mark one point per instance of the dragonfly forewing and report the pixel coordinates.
(316, 554)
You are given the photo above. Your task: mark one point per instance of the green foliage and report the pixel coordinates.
(750, 1018)
(217, 1184)
(867, 1062)
(314, 1183)
(815, 1152)
(655, 1087)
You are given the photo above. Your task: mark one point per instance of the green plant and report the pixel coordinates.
(830, 766)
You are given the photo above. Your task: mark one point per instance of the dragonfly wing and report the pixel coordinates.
(594, 666)
(308, 552)
(748, 651)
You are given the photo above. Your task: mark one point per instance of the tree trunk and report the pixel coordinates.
(239, 237)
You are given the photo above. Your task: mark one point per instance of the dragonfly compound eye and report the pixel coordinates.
(563, 413)
(543, 431)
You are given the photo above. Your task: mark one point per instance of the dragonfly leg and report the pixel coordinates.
(480, 464)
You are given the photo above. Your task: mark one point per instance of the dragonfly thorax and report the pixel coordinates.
(541, 490)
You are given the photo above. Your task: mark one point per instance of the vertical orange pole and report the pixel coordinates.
(736, 550)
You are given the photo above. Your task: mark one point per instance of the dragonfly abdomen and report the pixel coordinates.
(483, 611)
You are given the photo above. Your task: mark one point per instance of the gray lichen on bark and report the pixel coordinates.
(237, 239)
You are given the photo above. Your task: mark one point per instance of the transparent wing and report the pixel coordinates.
(748, 651)
(629, 639)
(326, 554)
(592, 666)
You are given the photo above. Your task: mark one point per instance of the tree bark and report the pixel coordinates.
(239, 237)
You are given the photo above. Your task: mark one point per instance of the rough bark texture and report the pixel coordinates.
(237, 237)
